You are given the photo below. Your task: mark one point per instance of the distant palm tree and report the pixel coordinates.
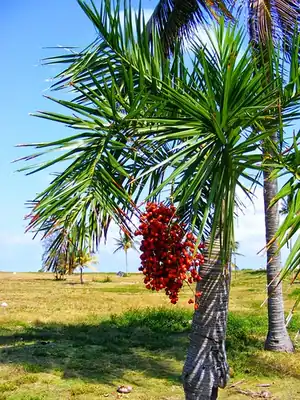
(125, 242)
(235, 253)
(284, 207)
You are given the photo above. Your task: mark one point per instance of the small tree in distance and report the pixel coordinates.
(54, 258)
(85, 259)
(125, 242)
(62, 254)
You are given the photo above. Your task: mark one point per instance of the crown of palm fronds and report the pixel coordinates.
(288, 165)
(175, 19)
(125, 242)
(143, 124)
(278, 19)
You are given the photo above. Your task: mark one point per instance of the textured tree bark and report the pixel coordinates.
(81, 275)
(277, 338)
(206, 367)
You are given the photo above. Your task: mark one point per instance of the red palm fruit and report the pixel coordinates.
(167, 250)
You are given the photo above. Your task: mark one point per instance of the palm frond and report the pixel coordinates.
(286, 21)
(111, 77)
(288, 165)
(145, 125)
(276, 20)
(213, 128)
(259, 21)
(175, 19)
(121, 40)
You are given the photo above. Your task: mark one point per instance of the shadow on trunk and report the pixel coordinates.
(278, 338)
(206, 367)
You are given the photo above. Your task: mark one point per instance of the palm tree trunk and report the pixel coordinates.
(81, 275)
(126, 262)
(277, 338)
(206, 367)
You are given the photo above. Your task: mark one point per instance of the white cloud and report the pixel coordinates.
(19, 252)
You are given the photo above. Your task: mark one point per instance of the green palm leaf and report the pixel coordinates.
(174, 19)
(148, 125)
(288, 165)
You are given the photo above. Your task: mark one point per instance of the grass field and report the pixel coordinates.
(63, 340)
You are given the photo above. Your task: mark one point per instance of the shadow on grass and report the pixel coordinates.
(151, 341)
(146, 341)
(245, 348)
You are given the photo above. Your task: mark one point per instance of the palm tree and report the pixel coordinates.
(267, 20)
(145, 125)
(125, 243)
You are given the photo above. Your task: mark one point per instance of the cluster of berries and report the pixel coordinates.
(168, 256)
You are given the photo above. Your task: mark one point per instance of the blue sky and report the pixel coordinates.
(26, 27)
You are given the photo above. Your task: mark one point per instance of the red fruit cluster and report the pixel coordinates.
(168, 253)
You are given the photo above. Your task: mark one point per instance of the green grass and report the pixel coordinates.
(82, 341)
(295, 293)
(107, 279)
(120, 290)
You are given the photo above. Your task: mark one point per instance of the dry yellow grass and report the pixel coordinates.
(58, 340)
